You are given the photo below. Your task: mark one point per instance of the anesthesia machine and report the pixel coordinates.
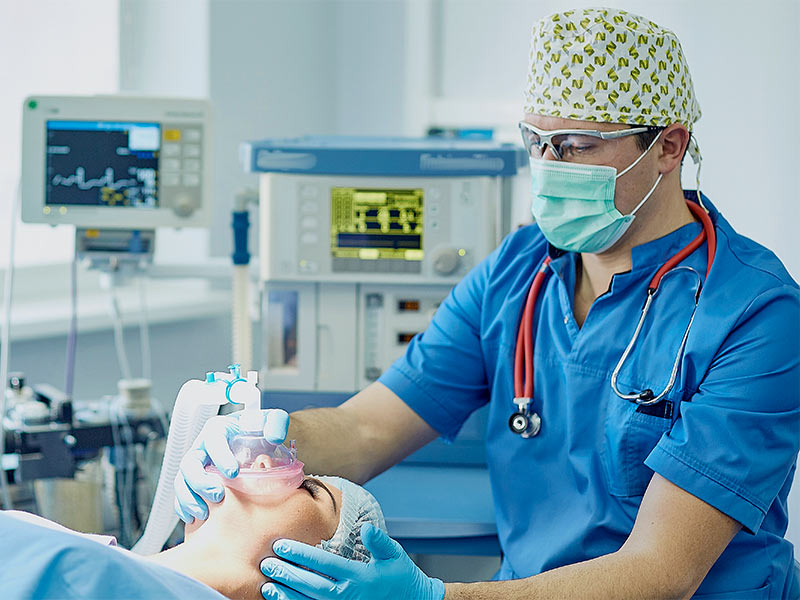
(360, 240)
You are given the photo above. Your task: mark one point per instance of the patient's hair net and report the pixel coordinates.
(358, 507)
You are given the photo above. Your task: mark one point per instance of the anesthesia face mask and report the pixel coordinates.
(264, 468)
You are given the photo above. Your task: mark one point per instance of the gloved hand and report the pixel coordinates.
(193, 485)
(389, 575)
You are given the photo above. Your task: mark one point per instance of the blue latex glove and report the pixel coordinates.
(193, 485)
(389, 575)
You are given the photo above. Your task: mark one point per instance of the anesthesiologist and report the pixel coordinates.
(649, 453)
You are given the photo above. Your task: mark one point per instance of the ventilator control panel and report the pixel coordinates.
(387, 229)
(376, 224)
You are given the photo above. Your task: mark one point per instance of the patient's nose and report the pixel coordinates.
(263, 462)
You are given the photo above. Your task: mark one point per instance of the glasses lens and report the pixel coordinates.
(531, 141)
(577, 147)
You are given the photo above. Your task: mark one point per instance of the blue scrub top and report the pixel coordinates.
(728, 432)
(39, 563)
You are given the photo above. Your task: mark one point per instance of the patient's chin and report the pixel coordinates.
(190, 528)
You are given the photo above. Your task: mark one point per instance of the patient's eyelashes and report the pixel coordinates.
(311, 486)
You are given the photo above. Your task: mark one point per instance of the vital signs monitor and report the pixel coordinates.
(116, 162)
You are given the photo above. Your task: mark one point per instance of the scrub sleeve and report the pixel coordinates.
(442, 376)
(735, 442)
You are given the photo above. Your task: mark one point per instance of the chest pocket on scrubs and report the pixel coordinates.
(632, 430)
(630, 435)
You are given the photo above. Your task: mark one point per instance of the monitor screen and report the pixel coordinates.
(372, 224)
(102, 163)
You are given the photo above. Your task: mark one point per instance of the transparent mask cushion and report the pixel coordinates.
(264, 468)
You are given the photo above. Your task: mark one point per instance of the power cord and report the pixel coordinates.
(4, 345)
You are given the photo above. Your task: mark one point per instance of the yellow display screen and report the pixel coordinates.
(373, 224)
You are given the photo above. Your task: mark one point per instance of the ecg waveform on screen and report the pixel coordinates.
(98, 168)
(107, 180)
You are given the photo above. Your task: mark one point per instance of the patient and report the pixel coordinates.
(223, 552)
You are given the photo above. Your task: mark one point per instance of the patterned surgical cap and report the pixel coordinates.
(358, 507)
(603, 64)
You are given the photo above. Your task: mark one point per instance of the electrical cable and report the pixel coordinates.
(144, 330)
(149, 459)
(117, 447)
(4, 345)
(122, 432)
(153, 454)
(130, 470)
(119, 341)
(72, 339)
(122, 435)
(161, 413)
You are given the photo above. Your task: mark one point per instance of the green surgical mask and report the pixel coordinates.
(573, 204)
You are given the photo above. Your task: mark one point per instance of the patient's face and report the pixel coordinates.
(308, 514)
(225, 550)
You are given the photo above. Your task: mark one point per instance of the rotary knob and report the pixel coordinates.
(446, 261)
(184, 205)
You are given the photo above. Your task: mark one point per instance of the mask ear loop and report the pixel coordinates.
(641, 156)
(633, 164)
(697, 158)
(647, 196)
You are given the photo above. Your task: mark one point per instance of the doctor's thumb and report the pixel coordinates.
(276, 425)
(379, 544)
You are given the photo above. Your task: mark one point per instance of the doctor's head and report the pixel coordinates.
(622, 79)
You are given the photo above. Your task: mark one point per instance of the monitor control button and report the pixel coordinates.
(446, 261)
(184, 205)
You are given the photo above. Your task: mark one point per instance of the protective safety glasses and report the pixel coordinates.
(572, 144)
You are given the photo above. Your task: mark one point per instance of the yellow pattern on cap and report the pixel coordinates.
(603, 64)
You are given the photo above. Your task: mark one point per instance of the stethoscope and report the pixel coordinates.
(527, 422)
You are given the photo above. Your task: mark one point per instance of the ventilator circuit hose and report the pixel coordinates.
(242, 327)
(188, 418)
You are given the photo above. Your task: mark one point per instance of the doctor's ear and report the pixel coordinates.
(673, 143)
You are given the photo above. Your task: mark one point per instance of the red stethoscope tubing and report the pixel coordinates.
(523, 354)
(524, 347)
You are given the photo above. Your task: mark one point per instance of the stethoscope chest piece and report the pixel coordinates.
(523, 422)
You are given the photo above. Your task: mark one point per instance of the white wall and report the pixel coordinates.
(48, 47)
(370, 46)
(271, 68)
(272, 73)
(163, 51)
(297, 67)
